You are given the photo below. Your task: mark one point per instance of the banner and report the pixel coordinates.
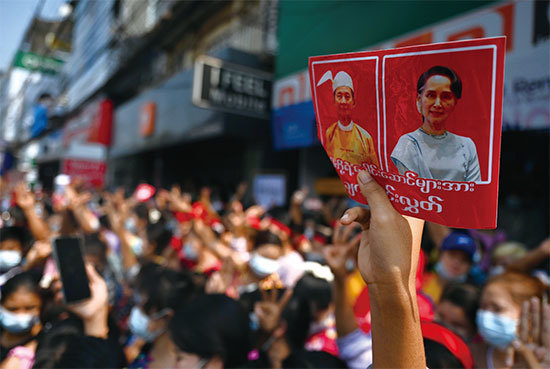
(527, 77)
(425, 121)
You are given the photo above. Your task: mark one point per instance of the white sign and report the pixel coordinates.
(269, 190)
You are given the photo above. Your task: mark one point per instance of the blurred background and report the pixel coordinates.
(121, 92)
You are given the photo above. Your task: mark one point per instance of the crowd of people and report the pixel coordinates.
(178, 280)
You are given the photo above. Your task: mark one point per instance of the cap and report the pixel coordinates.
(450, 340)
(144, 192)
(342, 79)
(460, 241)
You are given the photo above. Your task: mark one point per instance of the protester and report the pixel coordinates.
(499, 315)
(180, 280)
(21, 304)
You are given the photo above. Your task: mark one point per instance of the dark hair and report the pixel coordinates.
(27, 280)
(14, 233)
(438, 356)
(94, 246)
(213, 325)
(158, 235)
(464, 295)
(163, 287)
(456, 83)
(317, 291)
(298, 314)
(64, 345)
(141, 211)
(267, 237)
(313, 359)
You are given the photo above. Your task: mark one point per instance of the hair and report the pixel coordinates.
(26, 280)
(438, 356)
(159, 235)
(456, 83)
(317, 291)
(464, 295)
(266, 237)
(164, 288)
(213, 325)
(15, 233)
(141, 211)
(94, 246)
(313, 359)
(64, 345)
(520, 286)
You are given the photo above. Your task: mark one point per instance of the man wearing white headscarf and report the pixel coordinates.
(345, 139)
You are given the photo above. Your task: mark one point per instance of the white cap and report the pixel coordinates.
(342, 79)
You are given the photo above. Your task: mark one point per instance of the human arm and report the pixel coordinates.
(337, 256)
(26, 201)
(387, 259)
(532, 259)
(77, 203)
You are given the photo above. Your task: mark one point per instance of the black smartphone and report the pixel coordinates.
(67, 252)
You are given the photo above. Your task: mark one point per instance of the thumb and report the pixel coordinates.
(373, 192)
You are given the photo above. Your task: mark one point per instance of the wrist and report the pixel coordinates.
(96, 325)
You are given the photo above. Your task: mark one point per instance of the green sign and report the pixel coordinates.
(35, 62)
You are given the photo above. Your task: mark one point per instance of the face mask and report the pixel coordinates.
(17, 323)
(137, 246)
(262, 266)
(130, 225)
(499, 269)
(139, 324)
(189, 252)
(442, 272)
(9, 259)
(497, 330)
(309, 233)
(316, 257)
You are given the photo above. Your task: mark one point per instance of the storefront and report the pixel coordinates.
(526, 113)
(208, 125)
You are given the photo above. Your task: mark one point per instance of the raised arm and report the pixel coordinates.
(25, 200)
(387, 259)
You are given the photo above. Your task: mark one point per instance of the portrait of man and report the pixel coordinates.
(345, 139)
(431, 151)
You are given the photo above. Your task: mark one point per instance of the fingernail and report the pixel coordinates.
(364, 177)
(345, 217)
(516, 344)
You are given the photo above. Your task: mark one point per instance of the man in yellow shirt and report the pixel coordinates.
(345, 139)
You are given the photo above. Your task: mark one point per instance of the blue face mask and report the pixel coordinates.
(442, 272)
(139, 324)
(189, 252)
(497, 330)
(17, 323)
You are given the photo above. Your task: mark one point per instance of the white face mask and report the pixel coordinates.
(262, 266)
(9, 259)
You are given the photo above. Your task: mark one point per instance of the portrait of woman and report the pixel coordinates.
(431, 151)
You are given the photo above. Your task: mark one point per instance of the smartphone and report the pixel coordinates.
(67, 252)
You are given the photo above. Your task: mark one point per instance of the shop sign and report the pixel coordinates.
(231, 88)
(527, 82)
(92, 124)
(35, 62)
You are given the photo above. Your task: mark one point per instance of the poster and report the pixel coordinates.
(424, 120)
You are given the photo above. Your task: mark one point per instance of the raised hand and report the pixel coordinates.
(269, 310)
(534, 334)
(340, 252)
